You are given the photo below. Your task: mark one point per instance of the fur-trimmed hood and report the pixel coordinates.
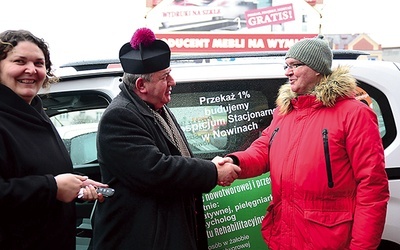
(336, 85)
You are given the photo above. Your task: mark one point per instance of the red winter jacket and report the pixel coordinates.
(326, 160)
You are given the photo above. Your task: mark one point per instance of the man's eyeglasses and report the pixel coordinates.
(293, 66)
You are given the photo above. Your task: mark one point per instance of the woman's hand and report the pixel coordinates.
(69, 186)
(89, 190)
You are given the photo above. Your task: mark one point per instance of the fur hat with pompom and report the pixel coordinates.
(144, 54)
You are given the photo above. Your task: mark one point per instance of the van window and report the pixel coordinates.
(219, 117)
(380, 104)
(78, 130)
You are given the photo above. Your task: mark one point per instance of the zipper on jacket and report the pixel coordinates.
(271, 140)
(327, 157)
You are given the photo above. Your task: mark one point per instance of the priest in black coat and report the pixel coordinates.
(144, 155)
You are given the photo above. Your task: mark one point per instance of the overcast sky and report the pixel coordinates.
(79, 30)
(375, 18)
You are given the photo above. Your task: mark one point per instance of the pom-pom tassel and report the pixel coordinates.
(143, 36)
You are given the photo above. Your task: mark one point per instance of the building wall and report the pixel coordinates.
(391, 54)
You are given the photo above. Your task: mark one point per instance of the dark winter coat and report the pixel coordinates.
(31, 154)
(326, 160)
(157, 202)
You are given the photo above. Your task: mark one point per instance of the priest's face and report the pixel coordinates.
(159, 88)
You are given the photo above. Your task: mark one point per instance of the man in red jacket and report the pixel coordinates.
(325, 157)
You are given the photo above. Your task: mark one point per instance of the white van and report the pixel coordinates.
(222, 103)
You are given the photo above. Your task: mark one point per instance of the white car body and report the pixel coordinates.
(383, 76)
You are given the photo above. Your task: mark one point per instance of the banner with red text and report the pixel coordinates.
(233, 42)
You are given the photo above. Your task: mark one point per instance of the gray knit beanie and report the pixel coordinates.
(314, 52)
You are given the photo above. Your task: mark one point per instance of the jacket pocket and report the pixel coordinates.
(328, 218)
(326, 229)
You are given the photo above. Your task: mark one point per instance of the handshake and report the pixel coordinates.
(227, 171)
